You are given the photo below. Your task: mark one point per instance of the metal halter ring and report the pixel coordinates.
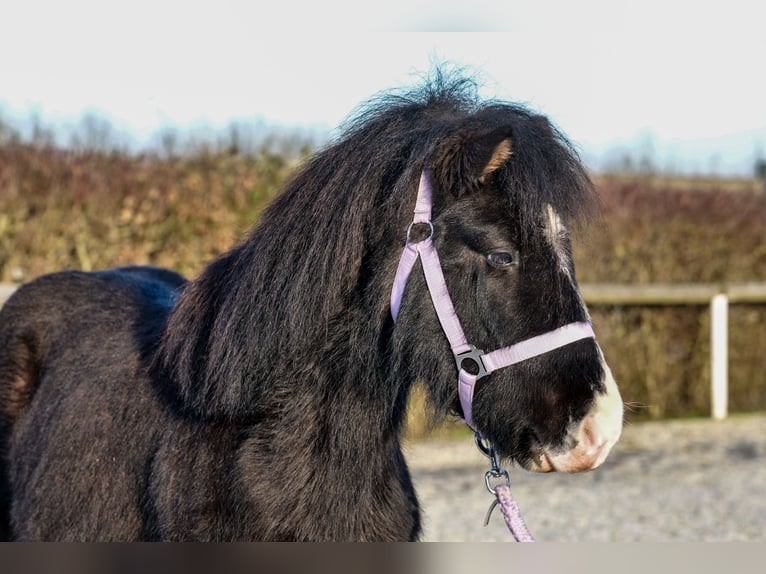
(500, 473)
(430, 225)
(487, 449)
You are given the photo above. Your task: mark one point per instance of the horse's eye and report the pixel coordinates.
(500, 259)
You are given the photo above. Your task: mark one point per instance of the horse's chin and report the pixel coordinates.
(566, 464)
(539, 462)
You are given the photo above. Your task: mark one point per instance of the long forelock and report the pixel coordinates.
(545, 172)
(365, 182)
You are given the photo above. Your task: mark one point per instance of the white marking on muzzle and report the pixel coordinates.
(595, 435)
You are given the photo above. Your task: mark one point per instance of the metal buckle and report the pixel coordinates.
(428, 223)
(488, 449)
(475, 355)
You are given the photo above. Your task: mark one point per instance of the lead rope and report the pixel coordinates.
(502, 492)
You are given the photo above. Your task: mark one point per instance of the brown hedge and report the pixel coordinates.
(90, 210)
(669, 233)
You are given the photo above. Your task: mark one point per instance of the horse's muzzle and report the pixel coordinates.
(593, 437)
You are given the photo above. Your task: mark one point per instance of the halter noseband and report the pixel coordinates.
(437, 288)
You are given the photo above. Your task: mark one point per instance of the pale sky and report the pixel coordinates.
(683, 79)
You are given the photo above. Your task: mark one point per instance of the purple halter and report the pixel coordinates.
(487, 362)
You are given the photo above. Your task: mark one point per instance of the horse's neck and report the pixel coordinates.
(331, 439)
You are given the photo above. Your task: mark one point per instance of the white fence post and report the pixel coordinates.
(719, 356)
(6, 290)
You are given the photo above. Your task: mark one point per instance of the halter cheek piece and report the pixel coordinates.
(437, 288)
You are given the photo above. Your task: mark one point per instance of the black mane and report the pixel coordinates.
(284, 291)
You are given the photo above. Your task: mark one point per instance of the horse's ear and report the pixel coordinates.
(500, 154)
(465, 160)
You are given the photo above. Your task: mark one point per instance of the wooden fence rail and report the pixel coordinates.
(718, 297)
(671, 294)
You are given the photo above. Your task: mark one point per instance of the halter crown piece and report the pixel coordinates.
(437, 288)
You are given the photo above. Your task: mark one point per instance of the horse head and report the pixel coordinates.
(503, 189)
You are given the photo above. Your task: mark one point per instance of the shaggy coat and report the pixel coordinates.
(265, 399)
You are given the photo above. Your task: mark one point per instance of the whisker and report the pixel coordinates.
(634, 407)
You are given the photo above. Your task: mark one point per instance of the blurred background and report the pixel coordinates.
(156, 133)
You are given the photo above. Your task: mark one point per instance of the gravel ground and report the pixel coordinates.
(684, 481)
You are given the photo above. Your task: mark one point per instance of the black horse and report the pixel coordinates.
(265, 399)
